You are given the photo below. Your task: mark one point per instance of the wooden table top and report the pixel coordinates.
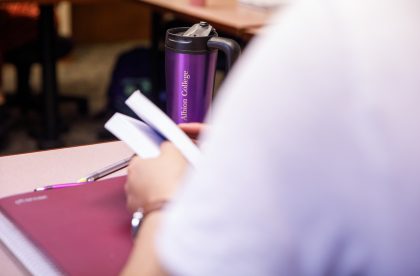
(24, 172)
(232, 18)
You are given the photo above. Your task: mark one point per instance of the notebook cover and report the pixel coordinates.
(84, 230)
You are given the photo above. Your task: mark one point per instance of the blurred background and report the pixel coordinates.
(103, 49)
(99, 34)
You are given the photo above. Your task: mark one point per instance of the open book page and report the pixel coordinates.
(162, 124)
(141, 138)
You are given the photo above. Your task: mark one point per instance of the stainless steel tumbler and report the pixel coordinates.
(190, 65)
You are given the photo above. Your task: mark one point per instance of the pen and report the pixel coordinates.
(135, 222)
(106, 170)
(92, 177)
(57, 186)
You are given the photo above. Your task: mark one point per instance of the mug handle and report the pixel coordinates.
(228, 46)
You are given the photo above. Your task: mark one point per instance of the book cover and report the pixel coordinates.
(144, 138)
(81, 230)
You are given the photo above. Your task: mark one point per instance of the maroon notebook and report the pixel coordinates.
(81, 230)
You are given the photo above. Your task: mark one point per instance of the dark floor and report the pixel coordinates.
(86, 72)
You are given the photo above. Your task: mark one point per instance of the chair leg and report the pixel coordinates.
(24, 98)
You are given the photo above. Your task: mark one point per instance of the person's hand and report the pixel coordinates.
(193, 130)
(154, 179)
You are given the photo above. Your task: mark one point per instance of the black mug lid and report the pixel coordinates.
(199, 29)
(190, 39)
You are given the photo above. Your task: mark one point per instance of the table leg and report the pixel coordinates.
(155, 41)
(49, 137)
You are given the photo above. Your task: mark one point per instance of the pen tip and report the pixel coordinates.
(83, 179)
(39, 189)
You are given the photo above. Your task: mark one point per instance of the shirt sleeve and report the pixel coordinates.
(247, 207)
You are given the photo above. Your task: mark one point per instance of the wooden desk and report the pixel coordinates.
(24, 172)
(249, 33)
(229, 18)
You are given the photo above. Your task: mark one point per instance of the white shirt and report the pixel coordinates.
(312, 165)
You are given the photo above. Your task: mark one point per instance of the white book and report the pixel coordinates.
(144, 138)
(137, 135)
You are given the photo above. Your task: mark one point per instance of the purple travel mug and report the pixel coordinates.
(190, 64)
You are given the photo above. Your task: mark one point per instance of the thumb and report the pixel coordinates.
(168, 147)
(169, 151)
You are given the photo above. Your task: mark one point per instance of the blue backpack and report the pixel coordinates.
(132, 71)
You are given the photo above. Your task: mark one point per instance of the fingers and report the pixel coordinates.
(170, 154)
(132, 205)
(132, 170)
(191, 126)
(193, 130)
(130, 185)
(154, 178)
(167, 147)
(133, 162)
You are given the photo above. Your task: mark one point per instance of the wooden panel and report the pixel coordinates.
(108, 22)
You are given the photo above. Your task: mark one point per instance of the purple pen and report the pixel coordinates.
(92, 177)
(58, 186)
